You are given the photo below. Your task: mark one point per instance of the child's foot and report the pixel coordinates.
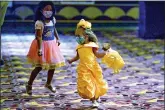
(29, 89)
(49, 87)
(99, 100)
(95, 103)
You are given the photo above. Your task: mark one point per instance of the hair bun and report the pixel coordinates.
(84, 24)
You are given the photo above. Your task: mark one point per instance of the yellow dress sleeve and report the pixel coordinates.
(79, 46)
(114, 61)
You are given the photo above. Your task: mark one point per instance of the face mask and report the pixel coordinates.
(80, 40)
(47, 14)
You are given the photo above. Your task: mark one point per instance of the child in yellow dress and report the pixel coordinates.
(112, 59)
(90, 82)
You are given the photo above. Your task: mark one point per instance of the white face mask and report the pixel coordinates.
(47, 14)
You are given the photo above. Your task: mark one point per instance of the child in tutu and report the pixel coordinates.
(44, 52)
(112, 59)
(90, 82)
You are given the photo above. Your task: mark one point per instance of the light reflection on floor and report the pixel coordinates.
(19, 44)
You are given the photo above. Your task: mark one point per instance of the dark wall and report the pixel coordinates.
(103, 15)
(152, 19)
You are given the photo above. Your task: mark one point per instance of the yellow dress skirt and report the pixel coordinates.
(114, 61)
(90, 82)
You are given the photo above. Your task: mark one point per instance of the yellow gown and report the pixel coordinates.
(90, 82)
(113, 60)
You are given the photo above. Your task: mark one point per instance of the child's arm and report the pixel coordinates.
(73, 59)
(56, 35)
(38, 35)
(97, 54)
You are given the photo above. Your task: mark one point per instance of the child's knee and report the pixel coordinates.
(39, 68)
(52, 70)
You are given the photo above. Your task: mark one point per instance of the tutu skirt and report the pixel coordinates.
(51, 55)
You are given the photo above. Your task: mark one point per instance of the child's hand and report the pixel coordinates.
(39, 52)
(69, 61)
(106, 46)
(58, 42)
(104, 49)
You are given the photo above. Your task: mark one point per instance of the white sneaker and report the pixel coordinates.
(50, 88)
(95, 103)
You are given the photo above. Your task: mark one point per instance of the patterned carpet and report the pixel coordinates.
(139, 86)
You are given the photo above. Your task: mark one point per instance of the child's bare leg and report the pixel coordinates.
(92, 99)
(50, 76)
(33, 75)
(49, 79)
